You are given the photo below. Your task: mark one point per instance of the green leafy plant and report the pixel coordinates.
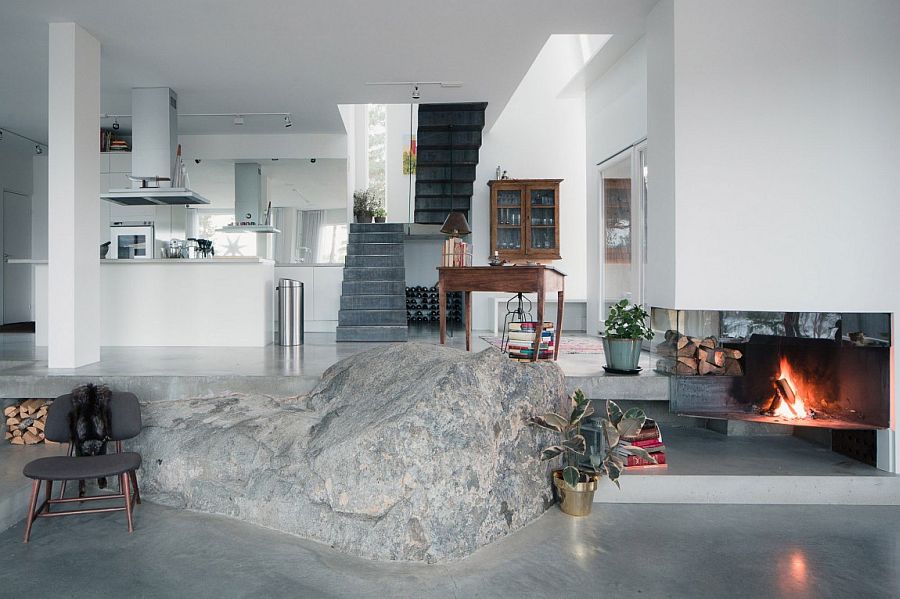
(380, 213)
(610, 462)
(628, 321)
(361, 201)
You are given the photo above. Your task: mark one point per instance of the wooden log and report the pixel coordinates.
(705, 367)
(688, 351)
(682, 341)
(31, 439)
(39, 424)
(33, 430)
(666, 349)
(735, 354)
(713, 355)
(12, 421)
(17, 441)
(17, 433)
(7, 435)
(685, 369)
(733, 367)
(670, 336)
(708, 342)
(9, 411)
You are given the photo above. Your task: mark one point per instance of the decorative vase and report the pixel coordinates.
(380, 219)
(622, 354)
(575, 501)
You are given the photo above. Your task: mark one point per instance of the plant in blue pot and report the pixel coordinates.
(626, 328)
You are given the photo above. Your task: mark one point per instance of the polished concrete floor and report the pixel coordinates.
(619, 551)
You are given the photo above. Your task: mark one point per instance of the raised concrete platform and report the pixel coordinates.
(15, 489)
(708, 467)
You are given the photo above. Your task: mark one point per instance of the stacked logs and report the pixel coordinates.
(686, 355)
(25, 422)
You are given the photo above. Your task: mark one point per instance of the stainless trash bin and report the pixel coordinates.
(290, 312)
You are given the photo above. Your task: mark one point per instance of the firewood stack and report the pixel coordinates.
(686, 355)
(25, 422)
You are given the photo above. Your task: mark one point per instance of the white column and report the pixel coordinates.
(73, 203)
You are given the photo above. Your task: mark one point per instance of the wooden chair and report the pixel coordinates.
(125, 423)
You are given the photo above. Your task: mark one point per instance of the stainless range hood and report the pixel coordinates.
(154, 122)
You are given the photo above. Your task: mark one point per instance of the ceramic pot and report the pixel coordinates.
(363, 217)
(575, 501)
(379, 219)
(622, 354)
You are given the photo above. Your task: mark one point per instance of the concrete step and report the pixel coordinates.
(376, 227)
(373, 302)
(371, 274)
(359, 288)
(375, 238)
(371, 317)
(374, 261)
(374, 249)
(371, 333)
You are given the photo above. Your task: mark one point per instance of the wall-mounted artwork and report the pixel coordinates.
(409, 155)
(617, 216)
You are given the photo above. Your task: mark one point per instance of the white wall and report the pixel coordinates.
(539, 135)
(615, 118)
(257, 146)
(785, 153)
(39, 206)
(399, 198)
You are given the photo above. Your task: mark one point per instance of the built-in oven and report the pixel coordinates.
(132, 241)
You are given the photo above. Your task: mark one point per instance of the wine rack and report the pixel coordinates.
(422, 306)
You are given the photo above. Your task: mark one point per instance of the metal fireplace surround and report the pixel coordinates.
(813, 369)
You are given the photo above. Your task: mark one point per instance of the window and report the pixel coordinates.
(376, 144)
(225, 244)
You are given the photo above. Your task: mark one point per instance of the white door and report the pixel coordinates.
(16, 243)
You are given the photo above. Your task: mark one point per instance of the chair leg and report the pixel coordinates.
(48, 494)
(137, 491)
(35, 487)
(123, 480)
(62, 490)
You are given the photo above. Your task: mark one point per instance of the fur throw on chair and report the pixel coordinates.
(89, 424)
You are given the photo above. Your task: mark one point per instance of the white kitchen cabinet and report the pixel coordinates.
(104, 162)
(327, 291)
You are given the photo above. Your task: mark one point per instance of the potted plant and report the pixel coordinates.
(626, 328)
(575, 484)
(380, 215)
(361, 203)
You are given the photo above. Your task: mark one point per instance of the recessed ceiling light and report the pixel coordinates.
(287, 121)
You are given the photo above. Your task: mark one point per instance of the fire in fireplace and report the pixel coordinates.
(801, 369)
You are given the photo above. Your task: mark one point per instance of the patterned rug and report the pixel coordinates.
(569, 345)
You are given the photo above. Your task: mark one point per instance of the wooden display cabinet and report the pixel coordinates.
(525, 219)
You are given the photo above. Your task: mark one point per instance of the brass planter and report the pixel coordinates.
(575, 501)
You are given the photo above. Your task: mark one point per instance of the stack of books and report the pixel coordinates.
(520, 340)
(650, 439)
(456, 253)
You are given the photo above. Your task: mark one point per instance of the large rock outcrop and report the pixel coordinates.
(407, 452)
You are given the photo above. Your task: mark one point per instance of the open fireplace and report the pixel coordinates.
(824, 369)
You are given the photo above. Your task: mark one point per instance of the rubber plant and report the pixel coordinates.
(616, 426)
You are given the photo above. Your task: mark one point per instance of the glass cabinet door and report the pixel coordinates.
(542, 221)
(509, 218)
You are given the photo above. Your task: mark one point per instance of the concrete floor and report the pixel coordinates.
(620, 550)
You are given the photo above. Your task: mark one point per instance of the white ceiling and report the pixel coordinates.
(292, 56)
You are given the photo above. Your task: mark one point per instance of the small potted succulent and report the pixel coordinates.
(362, 201)
(575, 484)
(380, 215)
(626, 328)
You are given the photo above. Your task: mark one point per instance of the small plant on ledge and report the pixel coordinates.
(362, 201)
(626, 328)
(380, 215)
(576, 484)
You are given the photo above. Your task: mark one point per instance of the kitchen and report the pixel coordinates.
(193, 262)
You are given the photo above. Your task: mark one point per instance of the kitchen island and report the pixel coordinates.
(204, 302)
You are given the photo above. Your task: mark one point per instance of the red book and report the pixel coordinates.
(648, 444)
(634, 460)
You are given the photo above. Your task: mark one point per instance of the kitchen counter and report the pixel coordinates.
(218, 260)
(204, 302)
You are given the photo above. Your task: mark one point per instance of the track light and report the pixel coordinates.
(287, 121)
(116, 123)
(238, 119)
(415, 93)
(1, 135)
(38, 150)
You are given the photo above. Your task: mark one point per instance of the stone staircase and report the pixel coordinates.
(373, 296)
(448, 141)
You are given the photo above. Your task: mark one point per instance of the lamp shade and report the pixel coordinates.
(455, 225)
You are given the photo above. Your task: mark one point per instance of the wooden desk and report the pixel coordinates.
(537, 278)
